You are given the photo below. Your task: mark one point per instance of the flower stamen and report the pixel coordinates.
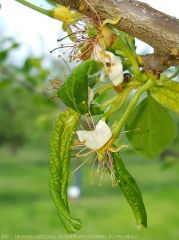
(83, 155)
(80, 166)
(102, 173)
(92, 169)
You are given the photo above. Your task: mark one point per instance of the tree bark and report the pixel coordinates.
(159, 30)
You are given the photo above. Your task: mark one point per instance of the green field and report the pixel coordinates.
(26, 206)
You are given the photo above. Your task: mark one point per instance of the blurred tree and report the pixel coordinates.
(26, 112)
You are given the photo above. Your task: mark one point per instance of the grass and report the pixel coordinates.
(26, 206)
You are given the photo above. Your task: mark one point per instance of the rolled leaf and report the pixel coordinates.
(130, 190)
(61, 142)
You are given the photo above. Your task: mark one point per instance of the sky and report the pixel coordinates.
(38, 33)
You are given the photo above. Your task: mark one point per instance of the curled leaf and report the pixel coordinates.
(61, 142)
(130, 190)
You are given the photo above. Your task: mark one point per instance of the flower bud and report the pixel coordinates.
(65, 15)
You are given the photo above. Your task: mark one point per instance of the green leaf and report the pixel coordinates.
(130, 190)
(167, 95)
(153, 129)
(92, 32)
(61, 143)
(74, 91)
(124, 43)
(95, 109)
(5, 53)
(51, 2)
(33, 62)
(124, 46)
(92, 81)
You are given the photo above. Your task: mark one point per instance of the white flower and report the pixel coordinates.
(112, 65)
(96, 138)
(90, 95)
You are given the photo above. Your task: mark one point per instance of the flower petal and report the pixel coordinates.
(97, 138)
(112, 65)
(115, 70)
(90, 94)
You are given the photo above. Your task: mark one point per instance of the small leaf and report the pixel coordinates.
(130, 190)
(51, 2)
(5, 53)
(155, 128)
(95, 109)
(124, 43)
(61, 142)
(33, 62)
(74, 91)
(167, 95)
(92, 81)
(92, 32)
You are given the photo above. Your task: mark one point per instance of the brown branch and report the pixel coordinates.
(156, 64)
(159, 30)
